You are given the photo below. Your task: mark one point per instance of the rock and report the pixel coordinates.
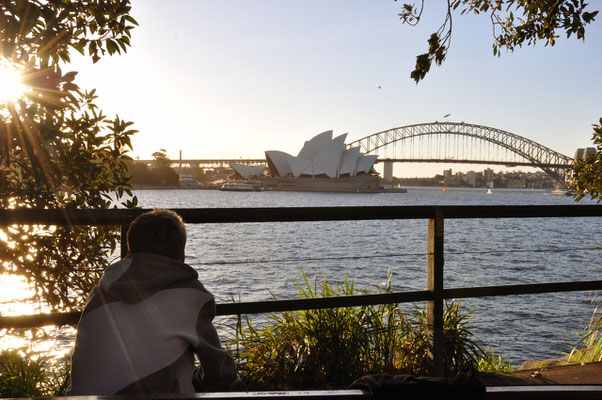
(537, 364)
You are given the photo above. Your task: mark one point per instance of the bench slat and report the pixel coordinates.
(548, 392)
(269, 395)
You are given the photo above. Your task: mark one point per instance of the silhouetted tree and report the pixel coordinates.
(514, 23)
(57, 148)
(164, 174)
(161, 158)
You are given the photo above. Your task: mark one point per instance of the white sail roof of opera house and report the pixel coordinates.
(247, 171)
(321, 155)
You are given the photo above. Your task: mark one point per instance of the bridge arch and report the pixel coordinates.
(557, 165)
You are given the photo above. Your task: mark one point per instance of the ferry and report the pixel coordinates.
(237, 186)
(392, 189)
(560, 191)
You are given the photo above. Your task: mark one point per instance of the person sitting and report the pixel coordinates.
(147, 318)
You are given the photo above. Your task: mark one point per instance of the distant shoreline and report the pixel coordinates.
(177, 187)
(170, 187)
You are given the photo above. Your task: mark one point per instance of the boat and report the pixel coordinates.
(489, 191)
(560, 191)
(392, 189)
(238, 186)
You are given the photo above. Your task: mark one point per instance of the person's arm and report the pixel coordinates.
(218, 370)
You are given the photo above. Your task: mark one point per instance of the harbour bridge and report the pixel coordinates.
(460, 142)
(442, 142)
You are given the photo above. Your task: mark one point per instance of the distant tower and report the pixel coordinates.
(180, 155)
(388, 170)
(582, 154)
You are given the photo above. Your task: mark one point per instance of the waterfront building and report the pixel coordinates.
(321, 156)
(471, 178)
(488, 174)
(188, 181)
(582, 154)
(323, 164)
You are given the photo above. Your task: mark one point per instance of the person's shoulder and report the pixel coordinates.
(157, 272)
(203, 289)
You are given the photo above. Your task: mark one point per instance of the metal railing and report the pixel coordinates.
(434, 295)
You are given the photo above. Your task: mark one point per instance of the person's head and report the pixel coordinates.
(158, 231)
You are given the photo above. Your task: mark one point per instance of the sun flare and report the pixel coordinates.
(11, 87)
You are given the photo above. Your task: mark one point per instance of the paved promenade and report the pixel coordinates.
(587, 374)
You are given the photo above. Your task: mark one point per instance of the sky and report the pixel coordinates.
(232, 79)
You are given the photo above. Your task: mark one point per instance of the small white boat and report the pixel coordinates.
(559, 191)
(489, 191)
(237, 186)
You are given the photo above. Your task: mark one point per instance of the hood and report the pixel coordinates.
(141, 275)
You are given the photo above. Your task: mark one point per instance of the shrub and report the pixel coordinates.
(24, 373)
(488, 362)
(329, 348)
(589, 348)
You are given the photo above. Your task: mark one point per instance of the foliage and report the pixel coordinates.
(490, 363)
(24, 373)
(200, 175)
(329, 348)
(143, 175)
(514, 22)
(161, 158)
(164, 174)
(48, 29)
(57, 149)
(588, 173)
(590, 346)
(517, 22)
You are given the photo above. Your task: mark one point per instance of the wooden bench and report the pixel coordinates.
(268, 395)
(551, 392)
(535, 392)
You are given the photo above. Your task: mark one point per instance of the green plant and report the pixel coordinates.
(514, 22)
(588, 172)
(329, 348)
(488, 362)
(589, 348)
(24, 373)
(57, 148)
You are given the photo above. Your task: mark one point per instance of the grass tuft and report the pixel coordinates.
(589, 348)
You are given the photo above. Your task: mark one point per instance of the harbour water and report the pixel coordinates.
(253, 261)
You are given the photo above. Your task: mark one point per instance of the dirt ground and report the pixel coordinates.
(585, 374)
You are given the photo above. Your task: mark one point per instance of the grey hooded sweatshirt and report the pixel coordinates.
(141, 327)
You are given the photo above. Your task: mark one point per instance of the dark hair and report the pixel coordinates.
(158, 231)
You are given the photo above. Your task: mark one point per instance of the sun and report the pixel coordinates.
(11, 87)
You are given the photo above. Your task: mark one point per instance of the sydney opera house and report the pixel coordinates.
(323, 164)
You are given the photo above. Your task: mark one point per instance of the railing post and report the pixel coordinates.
(124, 243)
(435, 286)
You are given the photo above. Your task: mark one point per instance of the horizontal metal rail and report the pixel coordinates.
(291, 214)
(269, 306)
(433, 296)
